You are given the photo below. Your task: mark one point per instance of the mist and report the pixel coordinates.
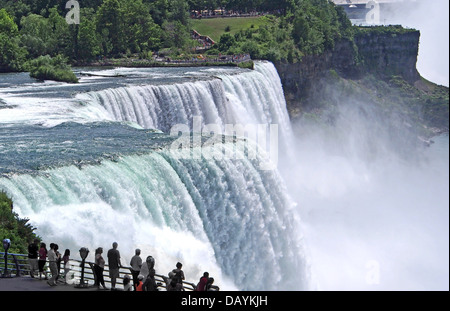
(373, 201)
(431, 17)
(373, 218)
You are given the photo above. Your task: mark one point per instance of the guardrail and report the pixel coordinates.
(18, 264)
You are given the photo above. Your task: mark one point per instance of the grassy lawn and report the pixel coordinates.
(215, 27)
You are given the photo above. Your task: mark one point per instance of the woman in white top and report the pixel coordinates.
(99, 267)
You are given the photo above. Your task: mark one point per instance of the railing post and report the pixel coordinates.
(6, 246)
(16, 262)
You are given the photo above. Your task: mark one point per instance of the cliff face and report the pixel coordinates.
(390, 54)
(383, 55)
(375, 72)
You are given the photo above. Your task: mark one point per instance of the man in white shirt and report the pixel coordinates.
(136, 264)
(52, 257)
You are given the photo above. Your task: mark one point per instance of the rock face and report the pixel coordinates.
(390, 54)
(381, 54)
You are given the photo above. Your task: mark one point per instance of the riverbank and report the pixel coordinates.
(241, 61)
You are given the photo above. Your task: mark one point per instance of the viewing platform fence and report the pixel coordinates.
(18, 265)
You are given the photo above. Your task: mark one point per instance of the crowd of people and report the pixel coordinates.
(142, 273)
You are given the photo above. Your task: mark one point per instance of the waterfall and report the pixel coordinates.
(86, 180)
(250, 97)
(208, 213)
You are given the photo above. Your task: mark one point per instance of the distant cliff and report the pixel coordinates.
(379, 64)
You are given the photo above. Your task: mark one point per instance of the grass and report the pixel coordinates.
(216, 27)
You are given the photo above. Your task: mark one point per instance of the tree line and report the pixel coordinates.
(30, 29)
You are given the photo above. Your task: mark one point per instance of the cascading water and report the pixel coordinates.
(89, 184)
(253, 97)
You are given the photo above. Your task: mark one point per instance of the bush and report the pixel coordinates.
(18, 230)
(48, 68)
(247, 65)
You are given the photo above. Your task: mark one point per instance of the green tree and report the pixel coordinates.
(175, 35)
(18, 230)
(37, 36)
(159, 10)
(88, 43)
(179, 11)
(62, 37)
(109, 22)
(12, 56)
(227, 41)
(140, 31)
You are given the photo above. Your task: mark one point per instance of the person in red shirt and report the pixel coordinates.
(42, 260)
(201, 286)
(140, 285)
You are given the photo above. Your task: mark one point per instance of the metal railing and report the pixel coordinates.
(18, 264)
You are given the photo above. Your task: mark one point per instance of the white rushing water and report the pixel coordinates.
(221, 216)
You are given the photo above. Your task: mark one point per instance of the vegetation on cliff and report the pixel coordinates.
(18, 230)
(308, 27)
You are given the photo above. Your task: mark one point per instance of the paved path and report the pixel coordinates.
(26, 283)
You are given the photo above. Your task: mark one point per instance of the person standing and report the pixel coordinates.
(99, 267)
(201, 286)
(58, 261)
(136, 264)
(114, 264)
(179, 276)
(42, 260)
(148, 274)
(65, 260)
(52, 258)
(33, 253)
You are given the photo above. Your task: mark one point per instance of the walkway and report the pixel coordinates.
(25, 283)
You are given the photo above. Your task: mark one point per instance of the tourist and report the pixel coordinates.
(127, 283)
(178, 276)
(33, 253)
(52, 258)
(58, 262)
(148, 273)
(65, 259)
(99, 267)
(42, 260)
(201, 286)
(136, 263)
(209, 285)
(114, 265)
(140, 285)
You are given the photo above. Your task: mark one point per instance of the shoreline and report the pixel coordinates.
(142, 63)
